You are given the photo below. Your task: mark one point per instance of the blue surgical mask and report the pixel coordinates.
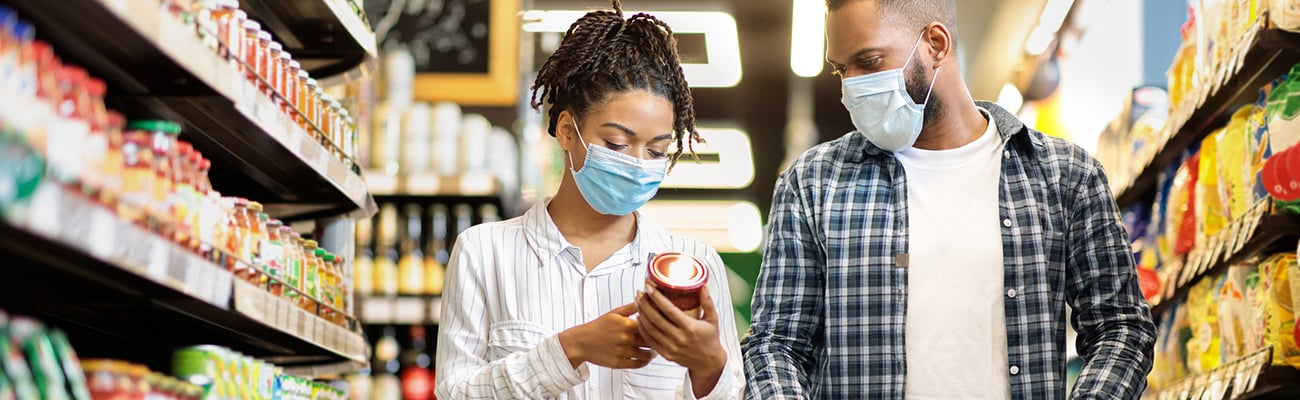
(881, 108)
(614, 183)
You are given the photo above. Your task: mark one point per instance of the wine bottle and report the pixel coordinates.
(435, 257)
(410, 267)
(386, 261)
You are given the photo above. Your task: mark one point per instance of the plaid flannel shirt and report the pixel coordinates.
(831, 299)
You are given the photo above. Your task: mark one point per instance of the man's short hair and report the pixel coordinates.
(914, 13)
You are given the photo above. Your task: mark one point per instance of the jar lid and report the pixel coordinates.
(255, 206)
(275, 46)
(319, 252)
(251, 25)
(264, 35)
(312, 244)
(263, 217)
(155, 125)
(329, 258)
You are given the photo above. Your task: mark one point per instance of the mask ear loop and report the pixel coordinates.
(936, 70)
(584, 143)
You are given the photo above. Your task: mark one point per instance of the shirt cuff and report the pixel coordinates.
(556, 374)
(721, 390)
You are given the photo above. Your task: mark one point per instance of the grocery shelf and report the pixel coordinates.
(431, 185)
(1258, 232)
(121, 291)
(157, 66)
(400, 310)
(1252, 377)
(329, 37)
(1270, 53)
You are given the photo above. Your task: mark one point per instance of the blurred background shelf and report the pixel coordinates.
(156, 66)
(123, 292)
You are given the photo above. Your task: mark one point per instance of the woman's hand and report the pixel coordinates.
(611, 341)
(690, 342)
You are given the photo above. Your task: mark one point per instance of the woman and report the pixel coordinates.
(549, 305)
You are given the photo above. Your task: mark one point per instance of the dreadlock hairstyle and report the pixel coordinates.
(603, 54)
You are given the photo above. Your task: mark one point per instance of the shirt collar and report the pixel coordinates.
(546, 241)
(1008, 126)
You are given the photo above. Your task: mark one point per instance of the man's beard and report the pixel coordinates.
(919, 87)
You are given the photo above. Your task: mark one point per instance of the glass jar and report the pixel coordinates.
(286, 82)
(137, 177)
(251, 49)
(326, 121)
(139, 377)
(229, 21)
(293, 269)
(263, 61)
(113, 172)
(304, 93)
(311, 275)
(313, 109)
(163, 137)
(274, 72)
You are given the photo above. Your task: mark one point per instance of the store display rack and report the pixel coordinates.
(155, 65)
(1269, 54)
(330, 37)
(1259, 231)
(400, 310)
(1252, 377)
(128, 291)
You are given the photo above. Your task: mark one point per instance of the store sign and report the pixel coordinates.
(726, 161)
(719, 29)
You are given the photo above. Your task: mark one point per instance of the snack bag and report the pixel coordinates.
(1285, 14)
(1203, 352)
(1233, 313)
(1281, 112)
(1233, 169)
(1210, 215)
(1274, 303)
(1182, 207)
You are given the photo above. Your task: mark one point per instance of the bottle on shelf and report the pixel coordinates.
(363, 267)
(410, 266)
(435, 258)
(273, 257)
(464, 217)
(386, 276)
(386, 385)
(416, 373)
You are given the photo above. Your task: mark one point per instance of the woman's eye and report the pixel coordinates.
(657, 154)
(615, 146)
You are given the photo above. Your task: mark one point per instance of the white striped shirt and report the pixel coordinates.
(513, 286)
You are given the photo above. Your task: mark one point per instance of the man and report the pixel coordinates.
(932, 253)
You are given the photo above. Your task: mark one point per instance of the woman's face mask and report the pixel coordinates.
(614, 183)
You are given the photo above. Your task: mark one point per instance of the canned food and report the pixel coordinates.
(678, 277)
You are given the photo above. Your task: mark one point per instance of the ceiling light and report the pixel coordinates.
(808, 38)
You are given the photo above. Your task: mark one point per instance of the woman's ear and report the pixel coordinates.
(564, 130)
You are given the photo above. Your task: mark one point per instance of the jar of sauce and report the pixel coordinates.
(251, 49)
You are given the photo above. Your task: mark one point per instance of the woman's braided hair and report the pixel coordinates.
(603, 54)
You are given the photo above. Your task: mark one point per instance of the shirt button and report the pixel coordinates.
(1006, 154)
(1015, 370)
(1006, 222)
(1011, 293)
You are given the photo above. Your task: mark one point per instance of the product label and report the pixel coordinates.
(273, 259)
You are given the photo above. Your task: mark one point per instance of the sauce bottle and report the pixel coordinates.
(363, 268)
(273, 257)
(386, 276)
(138, 177)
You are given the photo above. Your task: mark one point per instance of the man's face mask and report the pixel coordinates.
(881, 108)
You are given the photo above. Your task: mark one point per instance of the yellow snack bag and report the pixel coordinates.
(1233, 155)
(1203, 352)
(1210, 211)
(1275, 305)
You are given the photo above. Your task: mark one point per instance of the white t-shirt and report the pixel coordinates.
(956, 326)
